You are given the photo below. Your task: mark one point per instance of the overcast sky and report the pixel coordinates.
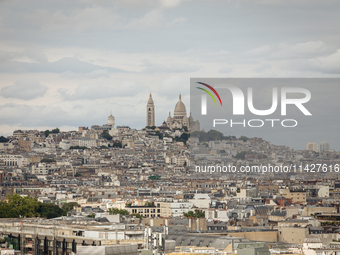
(69, 63)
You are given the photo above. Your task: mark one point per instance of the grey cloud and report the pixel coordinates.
(31, 53)
(60, 66)
(25, 90)
(36, 55)
(8, 55)
(302, 50)
(263, 68)
(16, 114)
(92, 75)
(324, 65)
(97, 91)
(172, 86)
(226, 69)
(150, 67)
(77, 114)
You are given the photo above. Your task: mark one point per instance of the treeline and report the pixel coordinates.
(214, 135)
(195, 214)
(53, 131)
(3, 139)
(123, 212)
(15, 206)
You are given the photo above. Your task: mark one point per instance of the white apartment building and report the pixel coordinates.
(43, 168)
(178, 208)
(312, 146)
(14, 160)
(87, 142)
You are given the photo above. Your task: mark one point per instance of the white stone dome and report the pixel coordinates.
(180, 109)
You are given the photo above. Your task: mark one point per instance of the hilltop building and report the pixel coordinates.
(180, 119)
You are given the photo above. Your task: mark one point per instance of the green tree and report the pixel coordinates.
(117, 144)
(149, 204)
(194, 214)
(106, 135)
(93, 215)
(17, 206)
(243, 138)
(49, 210)
(47, 132)
(118, 211)
(3, 139)
(47, 160)
(78, 147)
(185, 136)
(159, 134)
(137, 215)
(241, 155)
(77, 174)
(55, 131)
(68, 207)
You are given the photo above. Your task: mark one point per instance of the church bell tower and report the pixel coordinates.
(150, 112)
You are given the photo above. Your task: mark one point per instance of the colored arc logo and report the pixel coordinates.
(208, 92)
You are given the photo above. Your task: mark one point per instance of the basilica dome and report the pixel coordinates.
(180, 109)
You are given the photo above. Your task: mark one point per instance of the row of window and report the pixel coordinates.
(146, 210)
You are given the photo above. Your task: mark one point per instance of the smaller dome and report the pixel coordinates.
(191, 119)
(169, 119)
(185, 119)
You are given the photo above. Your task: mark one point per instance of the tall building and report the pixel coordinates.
(311, 146)
(150, 112)
(324, 146)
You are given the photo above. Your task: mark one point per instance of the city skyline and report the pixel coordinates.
(70, 65)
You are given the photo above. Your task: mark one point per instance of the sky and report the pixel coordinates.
(70, 63)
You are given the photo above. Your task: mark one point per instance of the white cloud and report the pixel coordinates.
(25, 90)
(151, 67)
(99, 91)
(327, 64)
(153, 18)
(173, 85)
(89, 18)
(303, 50)
(170, 3)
